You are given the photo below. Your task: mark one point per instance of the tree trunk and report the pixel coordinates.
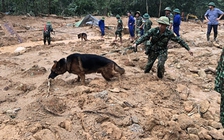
(159, 7)
(147, 6)
(3, 5)
(49, 7)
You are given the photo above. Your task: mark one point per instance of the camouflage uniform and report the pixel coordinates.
(219, 84)
(147, 25)
(139, 21)
(47, 33)
(119, 27)
(158, 48)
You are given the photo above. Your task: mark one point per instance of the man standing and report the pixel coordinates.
(147, 23)
(47, 33)
(176, 21)
(119, 28)
(169, 15)
(160, 37)
(139, 24)
(212, 17)
(219, 84)
(131, 26)
(101, 24)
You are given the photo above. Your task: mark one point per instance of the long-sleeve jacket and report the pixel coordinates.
(159, 41)
(101, 24)
(176, 20)
(131, 21)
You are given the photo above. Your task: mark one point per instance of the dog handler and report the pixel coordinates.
(160, 37)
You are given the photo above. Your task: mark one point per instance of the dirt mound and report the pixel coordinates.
(182, 105)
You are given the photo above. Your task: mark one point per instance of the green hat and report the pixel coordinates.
(137, 12)
(163, 20)
(167, 9)
(176, 11)
(103, 18)
(48, 23)
(146, 15)
(211, 4)
(118, 16)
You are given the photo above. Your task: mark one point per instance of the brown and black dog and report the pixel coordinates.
(82, 64)
(82, 36)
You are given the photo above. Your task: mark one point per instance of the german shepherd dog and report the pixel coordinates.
(82, 64)
(82, 36)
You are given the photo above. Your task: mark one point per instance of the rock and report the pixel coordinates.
(208, 115)
(102, 94)
(202, 73)
(136, 128)
(204, 106)
(36, 127)
(188, 106)
(183, 91)
(193, 137)
(44, 134)
(203, 134)
(111, 130)
(116, 90)
(20, 50)
(82, 89)
(191, 130)
(67, 125)
(217, 134)
(134, 119)
(216, 125)
(178, 66)
(185, 121)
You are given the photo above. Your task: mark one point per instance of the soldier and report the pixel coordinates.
(147, 25)
(138, 24)
(219, 84)
(212, 17)
(160, 36)
(119, 28)
(169, 15)
(176, 21)
(47, 33)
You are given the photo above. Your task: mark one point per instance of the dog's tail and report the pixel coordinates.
(118, 69)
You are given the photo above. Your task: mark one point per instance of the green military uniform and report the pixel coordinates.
(158, 48)
(219, 84)
(170, 16)
(147, 25)
(138, 23)
(47, 33)
(147, 22)
(119, 26)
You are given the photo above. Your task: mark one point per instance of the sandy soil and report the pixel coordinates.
(183, 105)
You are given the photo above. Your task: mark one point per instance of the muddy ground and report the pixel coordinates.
(183, 105)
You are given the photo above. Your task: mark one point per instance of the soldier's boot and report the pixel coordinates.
(215, 37)
(49, 41)
(148, 67)
(160, 72)
(208, 37)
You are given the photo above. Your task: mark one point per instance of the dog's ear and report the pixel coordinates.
(55, 61)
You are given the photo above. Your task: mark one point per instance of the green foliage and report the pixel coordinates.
(102, 7)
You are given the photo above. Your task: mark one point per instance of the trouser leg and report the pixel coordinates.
(151, 59)
(161, 62)
(208, 32)
(215, 29)
(222, 110)
(45, 38)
